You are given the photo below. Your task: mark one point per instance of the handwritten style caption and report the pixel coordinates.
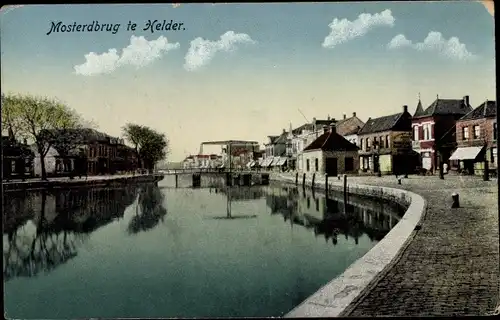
(95, 26)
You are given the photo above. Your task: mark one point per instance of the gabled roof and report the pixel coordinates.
(380, 124)
(485, 110)
(331, 141)
(353, 131)
(273, 138)
(349, 126)
(445, 107)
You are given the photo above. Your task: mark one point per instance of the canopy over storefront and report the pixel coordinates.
(467, 153)
(282, 161)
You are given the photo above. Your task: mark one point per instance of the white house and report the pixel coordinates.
(331, 154)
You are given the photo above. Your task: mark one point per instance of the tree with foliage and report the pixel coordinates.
(150, 145)
(33, 118)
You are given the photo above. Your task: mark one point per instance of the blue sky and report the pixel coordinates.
(277, 64)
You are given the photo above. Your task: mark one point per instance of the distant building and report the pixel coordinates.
(202, 161)
(349, 128)
(302, 137)
(386, 144)
(17, 159)
(476, 134)
(331, 154)
(430, 128)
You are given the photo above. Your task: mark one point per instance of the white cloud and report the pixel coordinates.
(399, 41)
(139, 53)
(435, 42)
(345, 30)
(202, 51)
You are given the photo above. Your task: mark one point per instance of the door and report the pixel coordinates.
(331, 166)
(427, 163)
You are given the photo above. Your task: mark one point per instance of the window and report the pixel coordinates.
(13, 166)
(415, 133)
(368, 144)
(493, 155)
(494, 131)
(465, 133)
(477, 132)
(387, 144)
(316, 162)
(307, 165)
(349, 164)
(317, 204)
(361, 143)
(427, 131)
(381, 141)
(308, 202)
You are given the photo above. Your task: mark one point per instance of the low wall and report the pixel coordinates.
(78, 183)
(333, 298)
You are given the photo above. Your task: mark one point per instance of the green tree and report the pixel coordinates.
(150, 145)
(31, 117)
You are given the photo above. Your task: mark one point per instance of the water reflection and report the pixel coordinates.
(43, 230)
(329, 217)
(150, 210)
(236, 194)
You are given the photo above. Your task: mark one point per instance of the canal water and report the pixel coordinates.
(158, 251)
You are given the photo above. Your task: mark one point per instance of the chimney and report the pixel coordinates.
(345, 116)
(314, 120)
(405, 108)
(328, 117)
(466, 100)
(333, 128)
(284, 130)
(354, 114)
(325, 129)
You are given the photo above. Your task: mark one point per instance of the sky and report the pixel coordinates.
(246, 71)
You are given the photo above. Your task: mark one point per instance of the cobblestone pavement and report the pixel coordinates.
(451, 267)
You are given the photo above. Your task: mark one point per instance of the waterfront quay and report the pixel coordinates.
(450, 266)
(66, 182)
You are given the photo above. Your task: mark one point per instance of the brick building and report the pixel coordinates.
(476, 134)
(430, 128)
(385, 144)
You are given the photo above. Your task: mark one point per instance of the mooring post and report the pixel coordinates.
(399, 180)
(326, 183)
(304, 180)
(456, 200)
(296, 178)
(313, 180)
(176, 180)
(345, 192)
(486, 171)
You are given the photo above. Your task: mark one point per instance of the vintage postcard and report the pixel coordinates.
(206, 160)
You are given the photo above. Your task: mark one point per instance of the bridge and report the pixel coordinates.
(231, 177)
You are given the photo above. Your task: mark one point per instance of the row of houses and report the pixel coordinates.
(448, 132)
(75, 152)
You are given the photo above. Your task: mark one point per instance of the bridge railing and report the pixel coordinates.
(211, 170)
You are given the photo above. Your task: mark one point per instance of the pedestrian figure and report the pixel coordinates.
(445, 168)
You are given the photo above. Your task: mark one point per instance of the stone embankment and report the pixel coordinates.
(91, 181)
(447, 264)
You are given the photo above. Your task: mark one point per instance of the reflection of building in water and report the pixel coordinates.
(243, 193)
(328, 217)
(51, 226)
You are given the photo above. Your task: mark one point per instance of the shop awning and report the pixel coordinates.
(467, 153)
(249, 165)
(275, 161)
(281, 161)
(266, 162)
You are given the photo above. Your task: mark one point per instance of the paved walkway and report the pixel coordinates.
(451, 267)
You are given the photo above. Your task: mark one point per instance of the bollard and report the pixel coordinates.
(313, 179)
(399, 180)
(304, 180)
(326, 184)
(338, 177)
(456, 200)
(176, 180)
(406, 175)
(345, 193)
(296, 178)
